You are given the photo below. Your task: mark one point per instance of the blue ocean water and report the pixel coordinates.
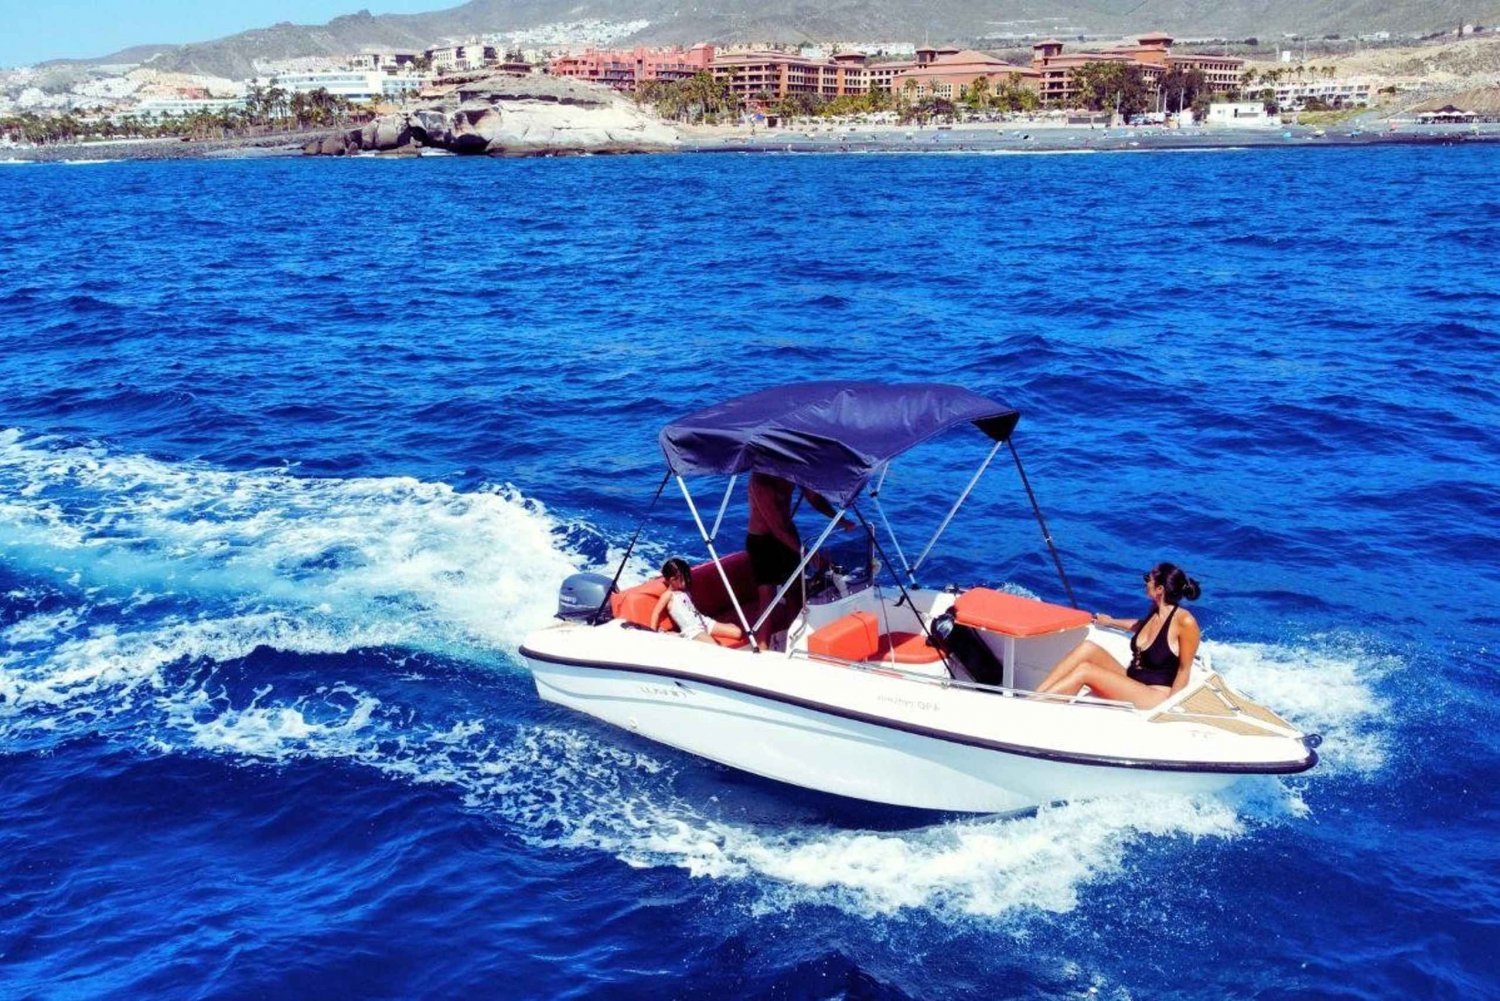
(294, 453)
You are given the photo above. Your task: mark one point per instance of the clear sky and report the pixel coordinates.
(34, 30)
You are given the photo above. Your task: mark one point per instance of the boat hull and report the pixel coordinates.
(832, 751)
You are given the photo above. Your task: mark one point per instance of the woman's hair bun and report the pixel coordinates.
(1177, 583)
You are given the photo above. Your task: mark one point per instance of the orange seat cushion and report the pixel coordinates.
(1013, 615)
(855, 636)
(907, 648)
(733, 644)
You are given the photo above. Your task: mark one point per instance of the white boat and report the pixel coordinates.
(883, 690)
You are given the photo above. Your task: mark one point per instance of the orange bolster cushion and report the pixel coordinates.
(856, 636)
(1013, 615)
(634, 604)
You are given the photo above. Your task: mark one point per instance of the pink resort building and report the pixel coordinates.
(757, 75)
(947, 73)
(762, 74)
(625, 70)
(1152, 53)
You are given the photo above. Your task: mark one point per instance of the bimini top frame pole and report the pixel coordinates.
(973, 481)
(895, 543)
(599, 612)
(1046, 533)
(905, 597)
(723, 506)
(708, 540)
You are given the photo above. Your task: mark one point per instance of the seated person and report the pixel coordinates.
(677, 602)
(1162, 646)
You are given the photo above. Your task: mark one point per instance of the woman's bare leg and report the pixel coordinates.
(1087, 652)
(1108, 683)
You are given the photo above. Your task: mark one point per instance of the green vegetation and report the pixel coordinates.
(265, 110)
(1185, 89)
(1112, 86)
(1007, 95)
(705, 99)
(700, 98)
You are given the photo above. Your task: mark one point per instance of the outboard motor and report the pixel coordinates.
(967, 651)
(581, 595)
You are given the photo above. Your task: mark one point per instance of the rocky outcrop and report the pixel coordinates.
(508, 115)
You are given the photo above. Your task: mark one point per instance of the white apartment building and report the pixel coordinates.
(358, 86)
(1351, 93)
(383, 61)
(157, 108)
(468, 56)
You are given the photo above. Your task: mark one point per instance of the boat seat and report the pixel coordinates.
(907, 648)
(634, 604)
(857, 636)
(1013, 615)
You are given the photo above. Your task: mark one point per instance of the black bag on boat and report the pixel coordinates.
(968, 653)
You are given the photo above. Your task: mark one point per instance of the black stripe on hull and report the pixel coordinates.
(1021, 750)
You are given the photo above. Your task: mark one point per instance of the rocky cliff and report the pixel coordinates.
(507, 115)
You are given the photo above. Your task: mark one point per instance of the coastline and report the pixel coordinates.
(243, 147)
(1012, 137)
(970, 138)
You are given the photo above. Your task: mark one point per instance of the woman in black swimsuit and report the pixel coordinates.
(1162, 645)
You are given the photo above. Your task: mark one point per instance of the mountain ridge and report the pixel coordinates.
(936, 21)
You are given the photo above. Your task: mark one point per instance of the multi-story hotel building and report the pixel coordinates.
(880, 75)
(1152, 53)
(626, 70)
(468, 56)
(949, 73)
(383, 61)
(770, 73)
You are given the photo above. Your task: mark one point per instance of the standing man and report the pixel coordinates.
(774, 547)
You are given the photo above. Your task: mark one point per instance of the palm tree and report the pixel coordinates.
(255, 104)
(977, 94)
(276, 104)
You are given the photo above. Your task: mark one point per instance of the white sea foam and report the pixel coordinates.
(567, 789)
(1325, 684)
(104, 669)
(473, 569)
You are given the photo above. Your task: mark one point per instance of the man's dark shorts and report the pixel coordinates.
(771, 562)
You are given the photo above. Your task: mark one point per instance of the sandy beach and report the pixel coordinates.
(976, 137)
(1041, 137)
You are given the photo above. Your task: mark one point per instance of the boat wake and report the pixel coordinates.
(265, 619)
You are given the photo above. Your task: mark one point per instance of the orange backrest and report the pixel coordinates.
(855, 636)
(708, 587)
(1013, 615)
(634, 604)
